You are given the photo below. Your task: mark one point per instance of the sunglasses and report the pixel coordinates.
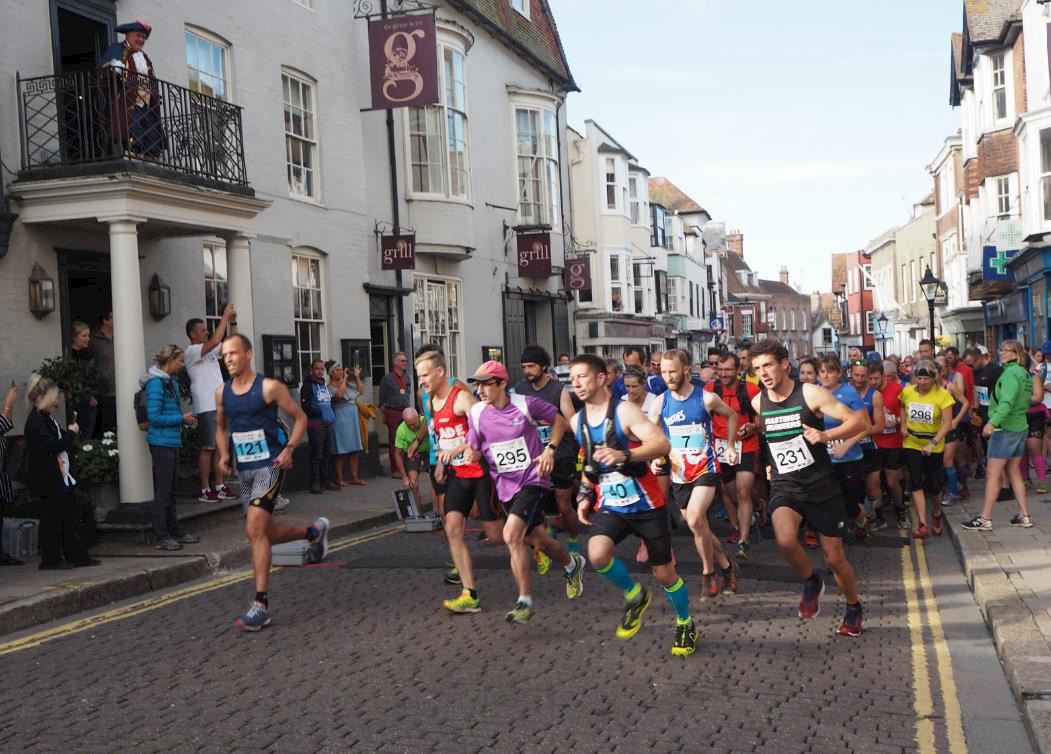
(859, 363)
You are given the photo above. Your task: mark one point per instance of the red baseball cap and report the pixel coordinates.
(490, 370)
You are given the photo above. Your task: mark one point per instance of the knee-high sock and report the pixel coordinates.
(950, 475)
(617, 574)
(679, 599)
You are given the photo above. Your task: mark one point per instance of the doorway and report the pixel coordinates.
(85, 289)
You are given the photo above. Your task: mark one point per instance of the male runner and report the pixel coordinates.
(738, 479)
(870, 461)
(505, 429)
(467, 481)
(888, 441)
(538, 383)
(684, 412)
(246, 418)
(803, 486)
(846, 454)
(615, 437)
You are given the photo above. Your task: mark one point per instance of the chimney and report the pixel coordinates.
(783, 275)
(735, 243)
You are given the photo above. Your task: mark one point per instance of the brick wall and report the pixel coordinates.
(997, 155)
(1018, 58)
(948, 223)
(735, 242)
(971, 180)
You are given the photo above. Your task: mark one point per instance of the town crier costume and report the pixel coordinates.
(135, 101)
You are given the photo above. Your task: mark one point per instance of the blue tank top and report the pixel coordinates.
(689, 428)
(868, 443)
(257, 435)
(616, 492)
(848, 396)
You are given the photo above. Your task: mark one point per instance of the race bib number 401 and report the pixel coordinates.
(791, 455)
(512, 455)
(251, 446)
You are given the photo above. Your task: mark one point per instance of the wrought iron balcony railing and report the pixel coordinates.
(83, 120)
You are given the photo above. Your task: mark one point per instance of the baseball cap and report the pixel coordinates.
(490, 370)
(1047, 347)
(873, 356)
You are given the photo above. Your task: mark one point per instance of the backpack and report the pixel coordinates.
(742, 396)
(139, 402)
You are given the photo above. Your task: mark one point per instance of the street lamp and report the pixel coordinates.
(842, 326)
(929, 285)
(881, 325)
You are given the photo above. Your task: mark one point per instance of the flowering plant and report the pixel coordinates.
(98, 461)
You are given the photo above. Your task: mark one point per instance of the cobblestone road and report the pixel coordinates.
(361, 658)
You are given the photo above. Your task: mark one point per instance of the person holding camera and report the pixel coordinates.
(346, 387)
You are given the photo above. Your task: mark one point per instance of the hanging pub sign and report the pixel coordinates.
(578, 274)
(398, 252)
(534, 255)
(403, 61)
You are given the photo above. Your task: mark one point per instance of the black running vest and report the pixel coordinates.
(799, 467)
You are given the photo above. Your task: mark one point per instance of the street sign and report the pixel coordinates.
(715, 324)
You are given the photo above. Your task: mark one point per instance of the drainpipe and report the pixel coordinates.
(7, 219)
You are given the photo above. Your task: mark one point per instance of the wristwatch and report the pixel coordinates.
(627, 456)
(551, 446)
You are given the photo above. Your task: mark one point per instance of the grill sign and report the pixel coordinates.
(403, 61)
(534, 255)
(398, 252)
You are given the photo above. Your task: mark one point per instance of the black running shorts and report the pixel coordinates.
(871, 461)
(564, 474)
(528, 505)
(260, 487)
(652, 527)
(745, 463)
(891, 458)
(825, 516)
(925, 472)
(461, 495)
(681, 492)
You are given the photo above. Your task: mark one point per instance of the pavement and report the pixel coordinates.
(131, 566)
(1009, 573)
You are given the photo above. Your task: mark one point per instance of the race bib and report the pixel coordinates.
(448, 443)
(545, 433)
(921, 413)
(251, 446)
(791, 455)
(618, 491)
(983, 395)
(890, 423)
(721, 446)
(512, 455)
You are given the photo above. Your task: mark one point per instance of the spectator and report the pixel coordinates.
(102, 347)
(395, 397)
(48, 447)
(345, 437)
(202, 365)
(164, 436)
(562, 370)
(7, 493)
(85, 406)
(410, 447)
(316, 400)
(1006, 430)
(1046, 351)
(1037, 420)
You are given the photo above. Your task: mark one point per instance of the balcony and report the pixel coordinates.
(82, 123)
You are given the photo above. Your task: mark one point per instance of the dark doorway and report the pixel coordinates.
(84, 289)
(81, 30)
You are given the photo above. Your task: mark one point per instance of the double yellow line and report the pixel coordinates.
(919, 599)
(153, 603)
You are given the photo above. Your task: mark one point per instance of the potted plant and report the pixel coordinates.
(77, 378)
(98, 469)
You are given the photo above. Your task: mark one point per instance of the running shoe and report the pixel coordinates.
(187, 539)
(861, 526)
(465, 603)
(936, 525)
(742, 552)
(575, 580)
(978, 524)
(224, 493)
(255, 618)
(282, 503)
(810, 539)
(543, 562)
(633, 612)
(709, 587)
(851, 625)
(733, 536)
(685, 640)
(1021, 520)
(879, 522)
(168, 543)
(319, 543)
(452, 575)
(1041, 488)
(208, 496)
(949, 501)
(521, 613)
(729, 574)
(813, 588)
(903, 519)
(922, 532)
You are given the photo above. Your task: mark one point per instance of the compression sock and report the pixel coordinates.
(679, 599)
(261, 598)
(573, 545)
(617, 574)
(1040, 464)
(954, 483)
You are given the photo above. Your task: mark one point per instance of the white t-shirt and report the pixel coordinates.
(205, 377)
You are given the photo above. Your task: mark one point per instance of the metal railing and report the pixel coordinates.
(107, 115)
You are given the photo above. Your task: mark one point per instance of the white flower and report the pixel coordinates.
(107, 441)
(110, 433)
(87, 448)
(112, 453)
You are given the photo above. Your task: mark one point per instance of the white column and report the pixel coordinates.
(129, 352)
(239, 273)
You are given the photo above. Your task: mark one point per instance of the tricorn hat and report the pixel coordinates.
(137, 25)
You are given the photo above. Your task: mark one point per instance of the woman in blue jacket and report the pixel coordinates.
(164, 436)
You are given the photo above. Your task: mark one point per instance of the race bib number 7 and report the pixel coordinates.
(512, 455)
(791, 455)
(251, 446)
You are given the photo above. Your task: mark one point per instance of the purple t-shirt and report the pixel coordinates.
(509, 439)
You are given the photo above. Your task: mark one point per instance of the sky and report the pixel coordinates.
(807, 125)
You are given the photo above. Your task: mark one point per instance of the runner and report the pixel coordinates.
(846, 454)
(539, 384)
(803, 488)
(888, 442)
(684, 412)
(926, 418)
(506, 430)
(738, 479)
(625, 499)
(860, 372)
(467, 482)
(246, 418)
